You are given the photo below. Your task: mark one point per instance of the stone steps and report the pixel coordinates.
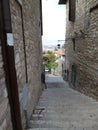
(63, 129)
(64, 109)
(60, 124)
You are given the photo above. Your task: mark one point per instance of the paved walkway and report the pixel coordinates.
(62, 108)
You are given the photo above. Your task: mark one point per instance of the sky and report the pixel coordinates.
(54, 17)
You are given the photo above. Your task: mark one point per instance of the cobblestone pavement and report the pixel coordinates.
(62, 108)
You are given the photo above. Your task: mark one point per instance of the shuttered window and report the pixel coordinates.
(72, 9)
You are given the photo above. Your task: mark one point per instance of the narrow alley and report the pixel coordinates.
(53, 38)
(62, 108)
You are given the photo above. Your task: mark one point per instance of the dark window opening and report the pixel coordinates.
(72, 10)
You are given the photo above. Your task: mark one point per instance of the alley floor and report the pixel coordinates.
(62, 108)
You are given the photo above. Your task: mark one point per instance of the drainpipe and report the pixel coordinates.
(9, 65)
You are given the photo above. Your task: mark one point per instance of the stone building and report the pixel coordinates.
(82, 45)
(20, 61)
(60, 55)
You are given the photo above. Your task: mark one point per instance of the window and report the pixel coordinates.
(72, 8)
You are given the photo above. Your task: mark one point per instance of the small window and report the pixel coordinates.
(72, 9)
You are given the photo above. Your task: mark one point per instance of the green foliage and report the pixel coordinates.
(49, 52)
(55, 49)
(51, 62)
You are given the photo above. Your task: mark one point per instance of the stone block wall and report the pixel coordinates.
(32, 38)
(27, 47)
(82, 52)
(5, 115)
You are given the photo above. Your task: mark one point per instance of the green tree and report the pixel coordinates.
(51, 62)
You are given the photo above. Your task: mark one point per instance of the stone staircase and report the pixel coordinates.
(62, 108)
(53, 117)
(52, 121)
(40, 120)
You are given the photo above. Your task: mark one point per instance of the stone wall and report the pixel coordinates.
(32, 38)
(4, 104)
(33, 48)
(27, 49)
(82, 47)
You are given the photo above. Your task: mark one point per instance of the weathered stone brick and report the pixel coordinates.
(85, 56)
(28, 38)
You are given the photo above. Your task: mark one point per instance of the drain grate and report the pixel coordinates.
(38, 113)
(39, 110)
